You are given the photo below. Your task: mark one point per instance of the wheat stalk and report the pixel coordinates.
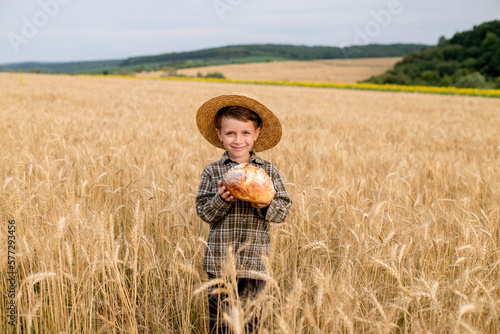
(393, 228)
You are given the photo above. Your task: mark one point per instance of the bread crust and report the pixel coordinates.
(249, 183)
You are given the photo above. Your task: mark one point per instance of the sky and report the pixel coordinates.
(74, 30)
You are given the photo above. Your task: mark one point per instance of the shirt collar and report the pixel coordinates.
(253, 158)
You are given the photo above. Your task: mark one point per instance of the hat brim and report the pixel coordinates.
(270, 133)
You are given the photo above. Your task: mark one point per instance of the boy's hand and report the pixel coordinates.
(260, 205)
(224, 194)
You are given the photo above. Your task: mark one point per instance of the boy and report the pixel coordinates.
(242, 125)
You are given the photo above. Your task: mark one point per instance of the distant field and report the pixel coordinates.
(331, 70)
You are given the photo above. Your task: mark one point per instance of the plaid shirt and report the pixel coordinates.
(237, 223)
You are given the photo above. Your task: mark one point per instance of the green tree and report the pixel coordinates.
(454, 52)
(432, 77)
(495, 64)
(474, 80)
(446, 68)
(446, 81)
(490, 43)
(489, 61)
(442, 41)
(216, 75)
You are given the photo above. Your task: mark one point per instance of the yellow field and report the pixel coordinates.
(394, 228)
(332, 70)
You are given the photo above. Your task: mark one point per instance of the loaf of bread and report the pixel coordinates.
(249, 183)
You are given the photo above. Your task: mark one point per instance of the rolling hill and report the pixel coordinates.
(236, 54)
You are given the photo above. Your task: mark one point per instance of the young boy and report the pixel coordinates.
(242, 125)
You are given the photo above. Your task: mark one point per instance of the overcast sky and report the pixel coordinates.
(70, 30)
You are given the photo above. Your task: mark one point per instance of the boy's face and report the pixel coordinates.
(238, 138)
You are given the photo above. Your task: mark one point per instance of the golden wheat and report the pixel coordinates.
(394, 229)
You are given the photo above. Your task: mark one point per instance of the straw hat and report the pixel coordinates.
(270, 132)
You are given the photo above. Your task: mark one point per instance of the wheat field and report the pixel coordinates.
(324, 70)
(394, 228)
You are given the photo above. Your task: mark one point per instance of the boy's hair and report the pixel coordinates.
(239, 113)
